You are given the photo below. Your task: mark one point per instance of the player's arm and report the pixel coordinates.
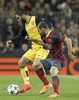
(17, 39)
(69, 46)
(40, 42)
(60, 38)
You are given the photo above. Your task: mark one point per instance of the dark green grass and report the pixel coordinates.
(69, 88)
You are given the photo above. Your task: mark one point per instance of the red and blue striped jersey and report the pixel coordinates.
(54, 44)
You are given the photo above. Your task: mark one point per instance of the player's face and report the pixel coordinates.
(18, 18)
(42, 31)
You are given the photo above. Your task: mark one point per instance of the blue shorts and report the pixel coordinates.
(48, 63)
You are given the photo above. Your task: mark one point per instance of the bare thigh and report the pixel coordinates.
(37, 64)
(23, 62)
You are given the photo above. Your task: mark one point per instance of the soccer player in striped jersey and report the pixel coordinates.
(58, 60)
(35, 53)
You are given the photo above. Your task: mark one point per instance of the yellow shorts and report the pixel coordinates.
(31, 54)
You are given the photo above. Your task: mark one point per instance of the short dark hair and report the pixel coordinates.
(20, 11)
(43, 24)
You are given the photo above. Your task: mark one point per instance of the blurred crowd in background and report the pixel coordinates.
(64, 14)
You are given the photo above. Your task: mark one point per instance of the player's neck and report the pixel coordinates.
(27, 18)
(47, 31)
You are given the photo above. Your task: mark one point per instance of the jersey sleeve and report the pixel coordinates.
(58, 37)
(19, 37)
(39, 19)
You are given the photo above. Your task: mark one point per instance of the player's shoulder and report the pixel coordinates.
(38, 18)
(54, 34)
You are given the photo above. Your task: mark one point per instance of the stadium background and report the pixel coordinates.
(65, 17)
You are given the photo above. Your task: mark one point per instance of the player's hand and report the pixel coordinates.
(28, 38)
(9, 43)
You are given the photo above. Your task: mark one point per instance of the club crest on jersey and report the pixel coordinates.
(32, 23)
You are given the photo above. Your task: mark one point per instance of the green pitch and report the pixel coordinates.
(69, 88)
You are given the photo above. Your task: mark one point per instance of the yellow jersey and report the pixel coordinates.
(32, 31)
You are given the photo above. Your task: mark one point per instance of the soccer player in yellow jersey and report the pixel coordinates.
(35, 53)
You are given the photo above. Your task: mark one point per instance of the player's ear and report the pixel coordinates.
(42, 29)
(23, 16)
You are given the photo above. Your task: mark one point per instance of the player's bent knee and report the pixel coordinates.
(54, 71)
(36, 65)
(21, 65)
(35, 68)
